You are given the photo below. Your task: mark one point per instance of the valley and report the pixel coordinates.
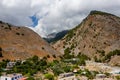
(90, 51)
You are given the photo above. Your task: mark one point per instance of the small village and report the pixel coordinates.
(59, 39)
(90, 71)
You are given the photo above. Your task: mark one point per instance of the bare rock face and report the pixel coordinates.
(98, 33)
(22, 42)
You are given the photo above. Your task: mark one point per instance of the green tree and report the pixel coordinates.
(1, 54)
(49, 76)
(30, 78)
(35, 58)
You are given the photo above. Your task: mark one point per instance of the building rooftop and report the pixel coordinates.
(12, 75)
(66, 74)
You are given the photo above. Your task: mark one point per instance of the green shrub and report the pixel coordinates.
(48, 56)
(49, 76)
(22, 34)
(90, 23)
(54, 56)
(1, 54)
(0, 49)
(17, 33)
(67, 53)
(30, 78)
(112, 53)
(43, 48)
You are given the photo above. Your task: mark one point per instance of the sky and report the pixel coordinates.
(48, 16)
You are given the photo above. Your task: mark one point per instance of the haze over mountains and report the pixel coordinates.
(53, 37)
(98, 33)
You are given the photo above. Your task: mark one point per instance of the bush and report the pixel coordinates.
(43, 48)
(112, 53)
(118, 77)
(82, 58)
(0, 49)
(35, 58)
(1, 54)
(54, 56)
(67, 54)
(48, 56)
(90, 23)
(6, 28)
(49, 76)
(17, 33)
(30, 78)
(22, 34)
(102, 52)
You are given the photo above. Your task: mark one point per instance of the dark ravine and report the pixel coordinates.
(53, 37)
(96, 36)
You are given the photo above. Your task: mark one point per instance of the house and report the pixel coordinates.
(100, 76)
(103, 77)
(12, 77)
(67, 76)
(96, 66)
(115, 70)
(10, 64)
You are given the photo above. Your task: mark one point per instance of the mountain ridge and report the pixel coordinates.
(98, 33)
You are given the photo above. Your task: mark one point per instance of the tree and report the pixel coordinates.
(67, 68)
(0, 49)
(30, 78)
(1, 54)
(54, 56)
(35, 58)
(49, 76)
(111, 53)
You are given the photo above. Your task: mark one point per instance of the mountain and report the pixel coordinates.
(21, 42)
(53, 37)
(96, 36)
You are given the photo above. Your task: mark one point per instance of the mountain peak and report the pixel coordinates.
(97, 35)
(95, 12)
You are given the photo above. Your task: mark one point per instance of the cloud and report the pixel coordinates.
(52, 15)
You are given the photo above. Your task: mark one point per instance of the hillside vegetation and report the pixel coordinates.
(96, 36)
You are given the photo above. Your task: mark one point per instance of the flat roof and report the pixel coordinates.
(12, 75)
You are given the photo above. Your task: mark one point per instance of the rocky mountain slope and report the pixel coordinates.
(22, 42)
(96, 36)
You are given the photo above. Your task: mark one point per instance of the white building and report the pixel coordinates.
(115, 70)
(10, 64)
(96, 66)
(67, 76)
(11, 77)
(98, 76)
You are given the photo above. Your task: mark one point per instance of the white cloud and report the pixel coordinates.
(54, 15)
